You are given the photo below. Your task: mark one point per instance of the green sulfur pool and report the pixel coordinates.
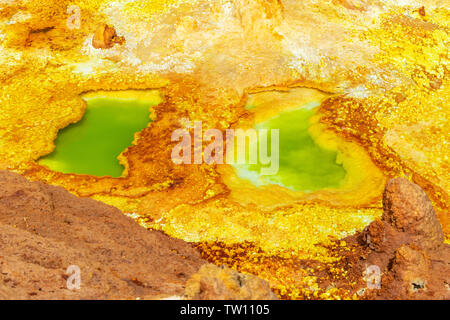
(92, 145)
(303, 165)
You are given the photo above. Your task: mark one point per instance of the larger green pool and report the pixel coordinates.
(303, 165)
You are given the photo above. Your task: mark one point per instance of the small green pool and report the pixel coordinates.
(92, 145)
(303, 165)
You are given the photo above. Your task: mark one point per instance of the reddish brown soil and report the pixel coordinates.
(45, 229)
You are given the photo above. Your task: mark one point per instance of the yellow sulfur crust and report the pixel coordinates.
(380, 66)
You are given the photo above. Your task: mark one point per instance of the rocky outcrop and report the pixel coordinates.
(105, 37)
(47, 235)
(44, 230)
(406, 246)
(408, 209)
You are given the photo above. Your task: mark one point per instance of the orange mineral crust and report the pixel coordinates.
(379, 69)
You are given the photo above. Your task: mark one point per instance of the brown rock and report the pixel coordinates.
(222, 283)
(414, 274)
(406, 245)
(408, 209)
(374, 235)
(411, 266)
(105, 37)
(45, 229)
(422, 11)
(15, 195)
